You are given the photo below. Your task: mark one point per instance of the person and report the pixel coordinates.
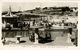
(3, 40)
(36, 39)
(33, 22)
(50, 25)
(62, 25)
(48, 37)
(73, 38)
(69, 38)
(70, 30)
(18, 40)
(31, 37)
(42, 37)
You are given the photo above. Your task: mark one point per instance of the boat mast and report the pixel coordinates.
(9, 12)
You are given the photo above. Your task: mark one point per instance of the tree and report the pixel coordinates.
(64, 9)
(45, 8)
(38, 8)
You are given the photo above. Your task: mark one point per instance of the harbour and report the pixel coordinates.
(52, 26)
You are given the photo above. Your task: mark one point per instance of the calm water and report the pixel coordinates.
(12, 34)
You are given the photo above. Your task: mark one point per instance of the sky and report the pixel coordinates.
(16, 6)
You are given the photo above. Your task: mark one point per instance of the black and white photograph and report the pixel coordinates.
(39, 23)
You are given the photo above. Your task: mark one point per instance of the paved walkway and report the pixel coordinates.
(59, 41)
(62, 41)
(59, 38)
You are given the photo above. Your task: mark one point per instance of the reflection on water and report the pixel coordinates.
(54, 34)
(14, 33)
